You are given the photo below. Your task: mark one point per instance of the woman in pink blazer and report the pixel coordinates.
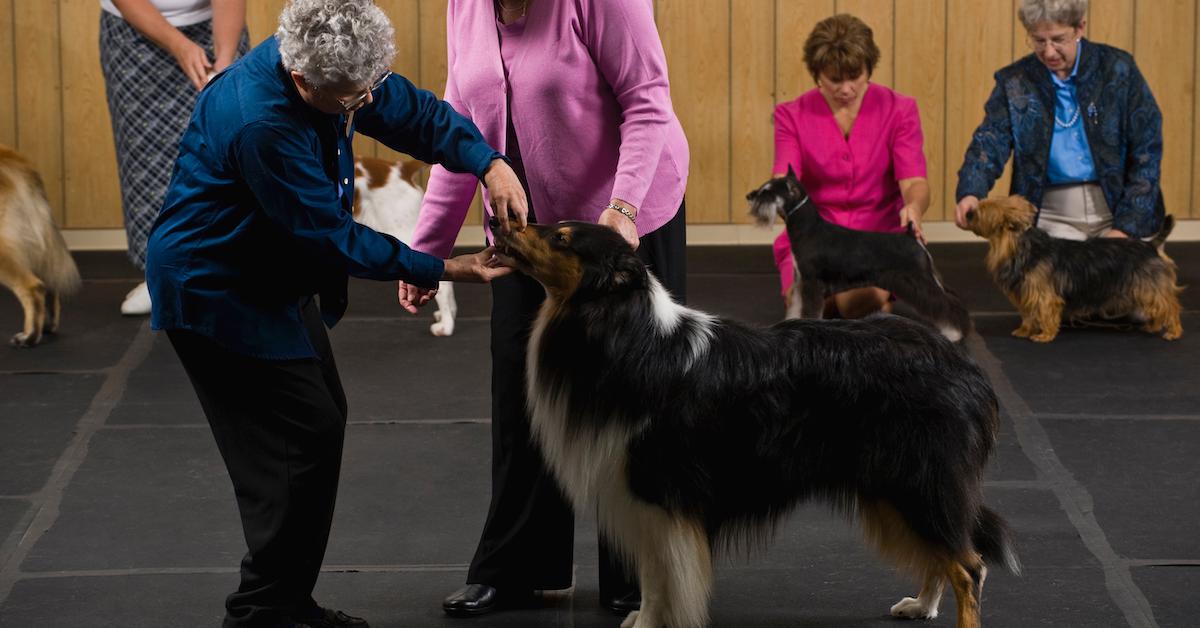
(575, 94)
(856, 146)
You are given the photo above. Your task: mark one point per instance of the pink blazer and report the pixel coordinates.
(590, 103)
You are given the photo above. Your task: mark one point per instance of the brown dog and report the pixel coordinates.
(1048, 278)
(34, 261)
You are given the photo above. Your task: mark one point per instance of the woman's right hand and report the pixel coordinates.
(192, 60)
(967, 204)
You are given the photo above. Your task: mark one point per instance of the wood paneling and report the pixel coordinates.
(1165, 39)
(38, 81)
(700, 88)
(979, 41)
(1111, 22)
(921, 74)
(880, 16)
(752, 101)
(90, 184)
(731, 62)
(8, 91)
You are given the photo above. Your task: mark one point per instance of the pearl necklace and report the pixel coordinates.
(1069, 123)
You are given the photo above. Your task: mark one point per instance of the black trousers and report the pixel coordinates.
(528, 539)
(279, 425)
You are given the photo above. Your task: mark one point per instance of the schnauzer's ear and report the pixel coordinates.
(791, 173)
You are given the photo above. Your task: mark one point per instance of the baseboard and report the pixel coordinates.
(711, 235)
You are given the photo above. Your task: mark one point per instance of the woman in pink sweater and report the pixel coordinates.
(575, 94)
(856, 146)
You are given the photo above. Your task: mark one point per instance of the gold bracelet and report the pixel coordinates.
(628, 214)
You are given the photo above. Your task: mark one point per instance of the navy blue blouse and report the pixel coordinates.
(257, 218)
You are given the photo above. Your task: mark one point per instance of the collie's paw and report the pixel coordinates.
(630, 620)
(23, 340)
(912, 608)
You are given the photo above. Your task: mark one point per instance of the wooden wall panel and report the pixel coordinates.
(1111, 22)
(262, 18)
(794, 20)
(979, 41)
(700, 88)
(880, 16)
(1165, 39)
(752, 101)
(921, 74)
(8, 90)
(38, 80)
(405, 16)
(90, 183)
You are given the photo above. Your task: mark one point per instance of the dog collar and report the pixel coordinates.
(788, 213)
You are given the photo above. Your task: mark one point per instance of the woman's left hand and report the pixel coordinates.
(910, 214)
(621, 224)
(1115, 233)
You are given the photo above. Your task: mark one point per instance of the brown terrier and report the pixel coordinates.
(1048, 278)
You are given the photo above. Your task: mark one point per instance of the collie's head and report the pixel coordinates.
(775, 198)
(573, 259)
(996, 216)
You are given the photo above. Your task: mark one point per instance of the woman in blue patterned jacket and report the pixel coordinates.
(1083, 128)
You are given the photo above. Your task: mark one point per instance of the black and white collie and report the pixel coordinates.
(830, 258)
(691, 434)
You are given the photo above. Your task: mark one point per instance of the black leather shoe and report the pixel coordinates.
(624, 604)
(333, 619)
(480, 599)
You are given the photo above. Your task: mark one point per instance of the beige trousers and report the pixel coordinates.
(1075, 212)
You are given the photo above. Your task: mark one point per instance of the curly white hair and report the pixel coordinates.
(335, 41)
(1068, 12)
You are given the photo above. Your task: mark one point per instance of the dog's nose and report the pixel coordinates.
(970, 215)
(493, 223)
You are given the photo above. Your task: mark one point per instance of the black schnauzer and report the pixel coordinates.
(830, 258)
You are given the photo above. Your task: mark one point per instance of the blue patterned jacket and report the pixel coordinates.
(1121, 120)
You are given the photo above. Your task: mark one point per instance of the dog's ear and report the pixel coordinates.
(624, 270)
(791, 173)
(1019, 214)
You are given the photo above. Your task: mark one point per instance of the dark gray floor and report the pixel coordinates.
(115, 509)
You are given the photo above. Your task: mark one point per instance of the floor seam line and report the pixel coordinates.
(48, 501)
(1072, 496)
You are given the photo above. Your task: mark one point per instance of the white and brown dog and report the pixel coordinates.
(387, 198)
(34, 261)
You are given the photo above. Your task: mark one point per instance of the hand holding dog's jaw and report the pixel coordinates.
(509, 205)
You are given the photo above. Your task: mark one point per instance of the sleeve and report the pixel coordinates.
(990, 147)
(416, 122)
(1137, 211)
(627, 51)
(908, 143)
(787, 143)
(288, 182)
(448, 197)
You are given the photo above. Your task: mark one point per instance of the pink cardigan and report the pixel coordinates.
(591, 106)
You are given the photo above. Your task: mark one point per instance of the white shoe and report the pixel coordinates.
(137, 302)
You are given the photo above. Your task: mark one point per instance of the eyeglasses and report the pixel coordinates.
(1058, 42)
(354, 103)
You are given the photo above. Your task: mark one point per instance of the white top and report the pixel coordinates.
(177, 12)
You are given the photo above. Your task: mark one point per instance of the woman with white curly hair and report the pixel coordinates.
(256, 223)
(1082, 127)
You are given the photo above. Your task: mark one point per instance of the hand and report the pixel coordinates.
(910, 214)
(192, 60)
(967, 203)
(621, 223)
(1115, 233)
(481, 267)
(413, 297)
(507, 195)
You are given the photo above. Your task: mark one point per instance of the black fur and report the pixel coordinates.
(851, 411)
(831, 258)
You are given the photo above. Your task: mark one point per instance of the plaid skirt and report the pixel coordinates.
(150, 101)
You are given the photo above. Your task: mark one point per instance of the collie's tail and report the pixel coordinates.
(993, 540)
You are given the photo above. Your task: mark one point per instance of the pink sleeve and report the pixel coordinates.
(449, 194)
(624, 42)
(908, 154)
(787, 143)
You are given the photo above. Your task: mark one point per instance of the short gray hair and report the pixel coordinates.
(335, 41)
(1069, 12)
